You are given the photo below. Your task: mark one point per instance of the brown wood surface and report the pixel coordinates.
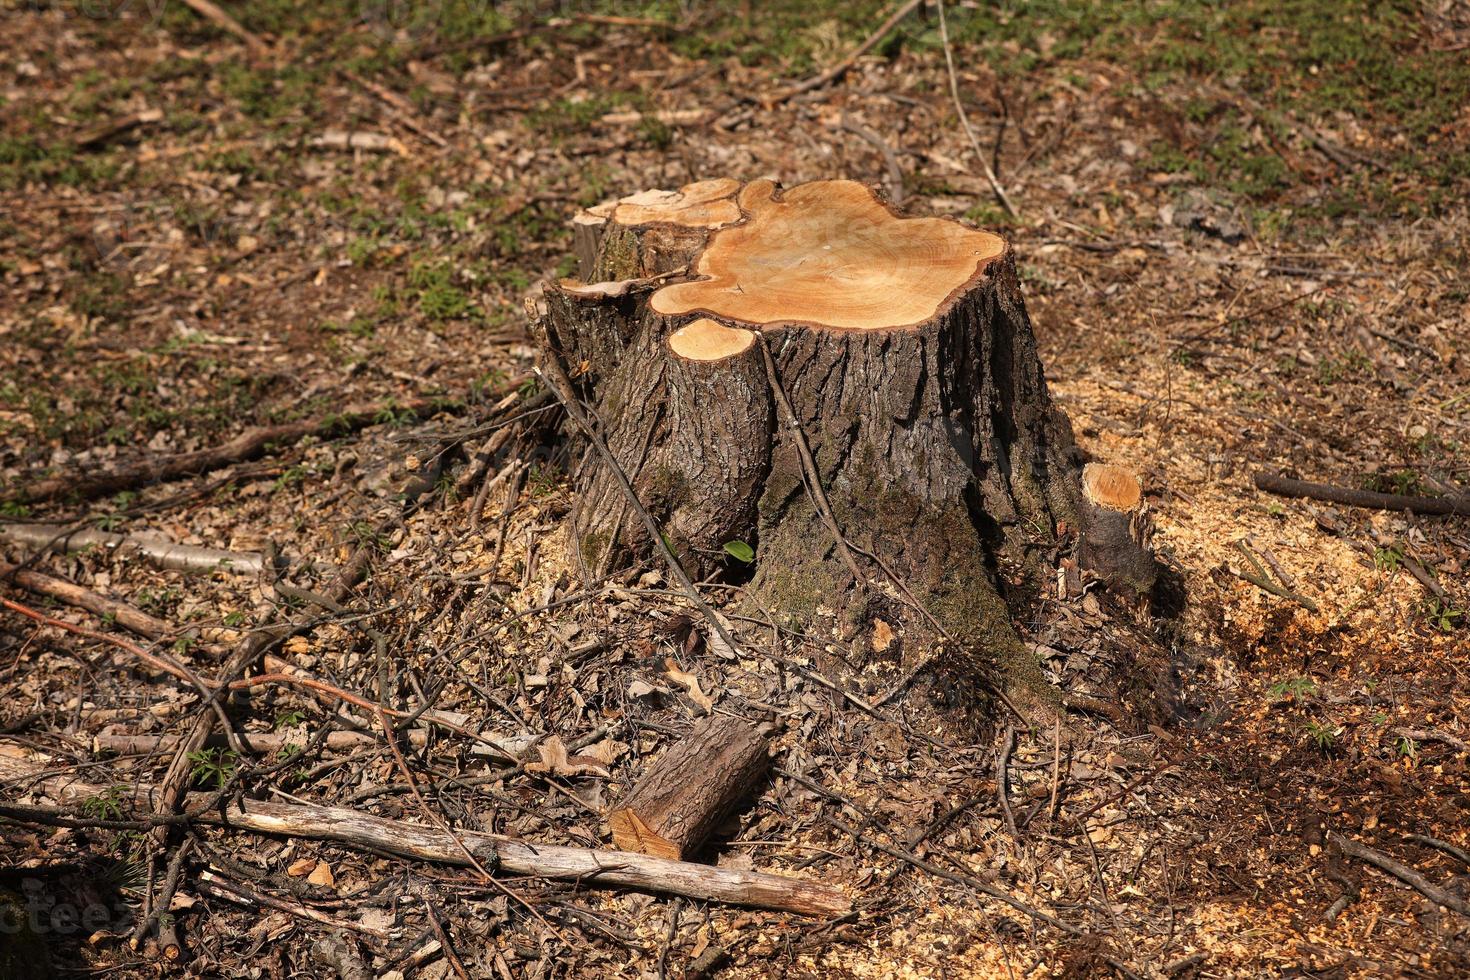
(691, 787)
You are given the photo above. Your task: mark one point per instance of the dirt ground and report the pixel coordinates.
(1242, 231)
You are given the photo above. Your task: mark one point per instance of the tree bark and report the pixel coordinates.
(690, 788)
(920, 435)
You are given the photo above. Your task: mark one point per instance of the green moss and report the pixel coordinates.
(595, 545)
(664, 489)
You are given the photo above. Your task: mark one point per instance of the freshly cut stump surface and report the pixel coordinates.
(916, 397)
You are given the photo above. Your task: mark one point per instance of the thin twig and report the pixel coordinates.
(954, 91)
(842, 67)
(809, 466)
(1402, 872)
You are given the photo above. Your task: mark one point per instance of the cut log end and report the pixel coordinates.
(1112, 487)
(630, 833)
(1117, 530)
(651, 232)
(830, 254)
(704, 204)
(706, 340)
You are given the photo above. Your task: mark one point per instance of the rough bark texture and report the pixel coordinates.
(691, 788)
(913, 376)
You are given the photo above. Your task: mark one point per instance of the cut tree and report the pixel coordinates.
(855, 394)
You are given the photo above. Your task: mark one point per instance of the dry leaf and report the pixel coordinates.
(322, 875)
(882, 636)
(554, 760)
(690, 683)
(301, 866)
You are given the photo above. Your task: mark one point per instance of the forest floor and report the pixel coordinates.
(1243, 236)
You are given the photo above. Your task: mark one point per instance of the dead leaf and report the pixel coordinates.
(882, 636)
(301, 867)
(554, 760)
(322, 875)
(690, 683)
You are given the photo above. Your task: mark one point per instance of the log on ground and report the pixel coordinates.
(691, 787)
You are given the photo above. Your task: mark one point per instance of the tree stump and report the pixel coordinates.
(855, 395)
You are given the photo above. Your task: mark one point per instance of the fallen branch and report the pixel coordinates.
(1287, 487)
(582, 865)
(158, 662)
(1261, 580)
(842, 67)
(264, 743)
(128, 617)
(101, 133)
(1402, 872)
(164, 554)
(216, 16)
(249, 445)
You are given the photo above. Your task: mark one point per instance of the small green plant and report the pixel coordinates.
(289, 719)
(740, 551)
(107, 805)
(1406, 747)
(1441, 615)
(1401, 482)
(1387, 558)
(1324, 737)
(234, 619)
(1295, 687)
(212, 767)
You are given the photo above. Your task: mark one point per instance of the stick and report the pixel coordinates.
(809, 466)
(583, 865)
(842, 67)
(671, 559)
(264, 743)
(128, 617)
(250, 444)
(1287, 487)
(1402, 872)
(164, 554)
(159, 662)
(212, 13)
(954, 91)
(168, 927)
